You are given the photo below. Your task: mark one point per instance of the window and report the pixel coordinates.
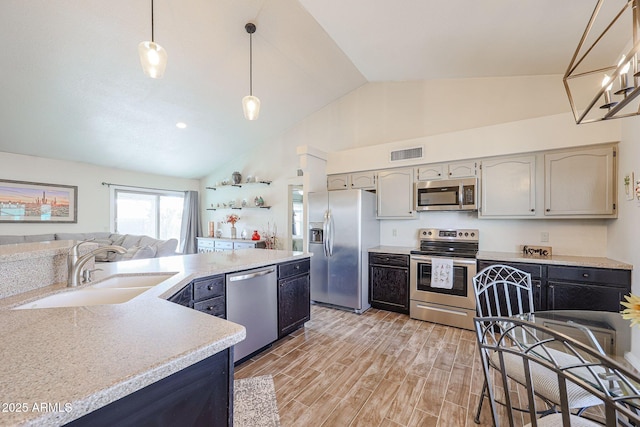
(154, 213)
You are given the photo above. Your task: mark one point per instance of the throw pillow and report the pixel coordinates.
(136, 252)
(144, 252)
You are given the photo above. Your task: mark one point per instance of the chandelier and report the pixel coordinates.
(602, 80)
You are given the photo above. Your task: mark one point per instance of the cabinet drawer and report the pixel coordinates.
(534, 269)
(208, 244)
(389, 259)
(593, 275)
(293, 268)
(244, 245)
(213, 306)
(208, 288)
(224, 245)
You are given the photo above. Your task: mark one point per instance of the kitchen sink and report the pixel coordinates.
(83, 297)
(116, 289)
(126, 281)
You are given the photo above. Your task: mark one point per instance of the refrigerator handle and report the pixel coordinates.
(325, 233)
(331, 234)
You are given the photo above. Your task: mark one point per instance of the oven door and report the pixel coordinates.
(461, 295)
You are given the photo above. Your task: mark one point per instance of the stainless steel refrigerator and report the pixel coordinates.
(342, 227)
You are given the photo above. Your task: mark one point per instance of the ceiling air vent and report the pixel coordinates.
(406, 154)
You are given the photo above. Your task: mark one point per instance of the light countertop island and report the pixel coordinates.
(59, 364)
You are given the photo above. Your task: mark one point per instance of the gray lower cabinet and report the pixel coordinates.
(389, 282)
(561, 287)
(213, 244)
(294, 296)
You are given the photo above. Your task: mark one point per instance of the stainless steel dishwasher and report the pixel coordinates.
(252, 301)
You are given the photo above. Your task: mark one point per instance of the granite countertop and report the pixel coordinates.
(78, 359)
(577, 261)
(400, 250)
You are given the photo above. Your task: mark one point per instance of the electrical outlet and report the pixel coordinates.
(394, 232)
(544, 236)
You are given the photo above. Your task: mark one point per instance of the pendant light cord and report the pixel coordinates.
(250, 64)
(152, 38)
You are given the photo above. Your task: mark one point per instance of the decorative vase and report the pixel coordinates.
(237, 177)
(233, 231)
(255, 235)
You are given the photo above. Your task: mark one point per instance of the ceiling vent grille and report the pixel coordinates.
(406, 154)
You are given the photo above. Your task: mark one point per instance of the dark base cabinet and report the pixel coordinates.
(206, 294)
(558, 287)
(294, 296)
(389, 282)
(200, 395)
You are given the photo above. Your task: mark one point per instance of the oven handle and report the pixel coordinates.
(456, 261)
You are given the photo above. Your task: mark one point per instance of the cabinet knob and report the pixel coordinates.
(209, 288)
(533, 210)
(585, 274)
(297, 267)
(209, 308)
(548, 210)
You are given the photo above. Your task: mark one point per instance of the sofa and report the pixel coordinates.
(138, 247)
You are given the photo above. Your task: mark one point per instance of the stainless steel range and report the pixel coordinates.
(441, 276)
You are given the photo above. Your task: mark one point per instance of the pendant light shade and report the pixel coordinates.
(250, 103)
(153, 57)
(251, 107)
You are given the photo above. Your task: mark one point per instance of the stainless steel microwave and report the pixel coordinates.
(446, 195)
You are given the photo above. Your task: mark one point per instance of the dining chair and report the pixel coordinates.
(505, 291)
(582, 367)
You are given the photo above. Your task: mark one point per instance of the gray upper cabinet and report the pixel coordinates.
(465, 169)
(363, 180)
(581, 182)
(343, 181)
(394, 190)
(338, 182)
(508, 187)
(431, 172)
(438, 171)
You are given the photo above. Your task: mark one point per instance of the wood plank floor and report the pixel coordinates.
(375, 369)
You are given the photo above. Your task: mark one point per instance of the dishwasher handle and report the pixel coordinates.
(251, 275)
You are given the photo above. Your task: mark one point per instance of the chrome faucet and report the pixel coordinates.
(75, 262)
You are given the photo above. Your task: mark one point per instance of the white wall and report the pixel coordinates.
(93, 197)
(624, 233)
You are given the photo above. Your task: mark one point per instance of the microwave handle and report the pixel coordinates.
(460, 195)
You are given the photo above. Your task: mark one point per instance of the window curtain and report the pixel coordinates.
(190, 228)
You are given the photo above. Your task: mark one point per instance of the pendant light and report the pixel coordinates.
(153, 57)
(250, 103)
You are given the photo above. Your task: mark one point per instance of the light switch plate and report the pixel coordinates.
(629, 185)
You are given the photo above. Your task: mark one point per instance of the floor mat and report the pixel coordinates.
(255, 403)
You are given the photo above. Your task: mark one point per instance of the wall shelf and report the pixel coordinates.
(240, 208)
(239, 185)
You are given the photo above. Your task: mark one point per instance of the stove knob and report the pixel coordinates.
(473, 234)
(429, 233)
(466, 234)
(459, 234)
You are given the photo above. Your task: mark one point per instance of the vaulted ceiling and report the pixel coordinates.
(71, 85)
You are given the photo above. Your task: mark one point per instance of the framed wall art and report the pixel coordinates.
(22, 201)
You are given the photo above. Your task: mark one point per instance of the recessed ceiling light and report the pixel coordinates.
(181, 125)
